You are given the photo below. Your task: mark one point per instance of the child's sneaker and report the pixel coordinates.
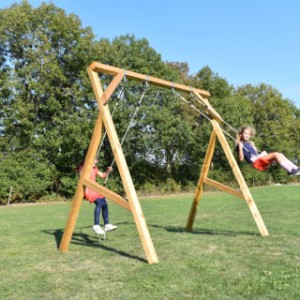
(97, 229)
(294, 172)
(109, 227)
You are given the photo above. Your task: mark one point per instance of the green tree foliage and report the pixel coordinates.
(275, 121)
(129, 53)
(273, 118)
(153, 142)
(212, 82)
(45, 94)
(26, 176)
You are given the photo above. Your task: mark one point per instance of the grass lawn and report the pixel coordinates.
(223, 258)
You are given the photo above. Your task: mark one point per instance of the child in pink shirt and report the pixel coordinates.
(99, 200)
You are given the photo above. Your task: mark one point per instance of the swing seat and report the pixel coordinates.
(262, 164)
(91, 195)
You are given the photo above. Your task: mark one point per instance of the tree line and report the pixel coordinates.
(48, 111)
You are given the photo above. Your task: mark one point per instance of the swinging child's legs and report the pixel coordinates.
(97, 228)
(102, 204)
(284, 162)
(97, 212)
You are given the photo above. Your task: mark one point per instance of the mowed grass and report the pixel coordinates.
(224, 257)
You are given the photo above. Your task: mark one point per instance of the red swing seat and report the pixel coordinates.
(91, 195)
(262, 164)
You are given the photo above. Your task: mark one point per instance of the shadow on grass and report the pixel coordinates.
(179, 229)
(79, 237)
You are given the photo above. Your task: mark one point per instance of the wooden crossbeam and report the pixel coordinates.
(105, 69)
(106, 193)
(224, 188)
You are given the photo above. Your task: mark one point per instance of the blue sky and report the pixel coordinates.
(244, 41)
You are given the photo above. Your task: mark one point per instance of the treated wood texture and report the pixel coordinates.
(77, 200)
(107, 193)
(124, 170)
(202, 177)
(206, 107)
(224, 188)
(101, 68)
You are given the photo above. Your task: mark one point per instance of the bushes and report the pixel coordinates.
(68, 186)
(170, 186)
(28, 178)
(149, 189)
(167, 187)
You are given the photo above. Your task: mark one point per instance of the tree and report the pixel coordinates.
(276, 122)
(273, 118)
(48, 108)
(212, 82)
(46, 95)
(153, 142)
(26, 176)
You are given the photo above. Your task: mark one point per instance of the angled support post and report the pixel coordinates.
(240, 179)
(77, 201)
(133, 201)
(202, 178)
(243, 194)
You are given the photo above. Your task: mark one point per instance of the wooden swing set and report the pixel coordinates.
(132, 203)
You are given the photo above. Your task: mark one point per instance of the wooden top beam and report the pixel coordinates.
(106, 69)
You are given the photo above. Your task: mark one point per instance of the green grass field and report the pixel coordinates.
(223, 258)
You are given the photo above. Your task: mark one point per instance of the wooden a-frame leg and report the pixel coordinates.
(77, 200)
(200, 185)
(133, 201)
(129, 189)
(240, 179)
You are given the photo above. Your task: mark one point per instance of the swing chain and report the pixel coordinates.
(120, 95)
(131, 121)
(205, 116)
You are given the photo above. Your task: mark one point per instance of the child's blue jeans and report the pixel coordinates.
(101, 204)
